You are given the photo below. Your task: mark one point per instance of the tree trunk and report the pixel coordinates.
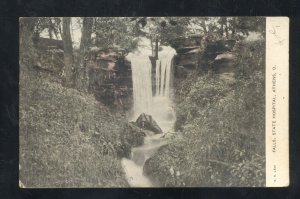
(222, 28)
(68, 52)
(226, 28)
(81, 70)
(26, 52)
(233, 26)
(156, 48)
(152, 50)
(87, 26)
(50, 28)
(203, 25)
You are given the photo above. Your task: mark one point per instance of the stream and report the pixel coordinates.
(134, 167)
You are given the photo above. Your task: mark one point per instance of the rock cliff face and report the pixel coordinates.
(188, 55)
(199, 54)
(109, 72)
(110, 78)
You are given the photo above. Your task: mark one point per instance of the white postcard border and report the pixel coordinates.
(277, 101)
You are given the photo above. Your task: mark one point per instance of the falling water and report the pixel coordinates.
(141, 78)
(163, 71)
(162, 109)
(158, 104)
(142, 87)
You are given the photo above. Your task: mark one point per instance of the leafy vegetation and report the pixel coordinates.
(221, 128)
(112, 32)
(67, 138)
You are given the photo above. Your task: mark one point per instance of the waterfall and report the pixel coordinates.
(157, 104)
(162, 109)
(163, 72)
(142, 86)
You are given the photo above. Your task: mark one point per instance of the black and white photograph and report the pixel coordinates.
(146, 102)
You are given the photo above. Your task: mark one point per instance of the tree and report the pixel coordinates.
(68, 52)
(203, 25)
(233, 26)
(87, 26)
(117, 32)
(161, 30)
(81, 71)
(226, 27)
(27, 53)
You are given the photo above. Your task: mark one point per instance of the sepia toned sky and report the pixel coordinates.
(75, 31)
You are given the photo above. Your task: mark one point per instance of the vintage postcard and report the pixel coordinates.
(154, 102)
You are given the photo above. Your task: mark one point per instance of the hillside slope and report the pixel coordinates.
(67, 138)
(220, 127)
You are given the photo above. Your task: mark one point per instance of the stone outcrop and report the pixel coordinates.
(197, 52)
(110, 78)
(47, 43)
(187, 58)
(133, 133)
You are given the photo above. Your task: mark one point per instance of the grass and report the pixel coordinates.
(221, 128)
(67, 138)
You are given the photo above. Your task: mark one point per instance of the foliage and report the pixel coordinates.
(67, 138)
(50, 24)
(222, 128)
(249, 52)
(122, 31)
(164, 28)
(115, 32)
(244, 25)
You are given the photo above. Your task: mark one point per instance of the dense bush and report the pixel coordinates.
(221, 126)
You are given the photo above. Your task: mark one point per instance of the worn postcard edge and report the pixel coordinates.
(277, 102)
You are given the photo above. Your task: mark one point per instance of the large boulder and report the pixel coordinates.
(146, 122)
(131, 136)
